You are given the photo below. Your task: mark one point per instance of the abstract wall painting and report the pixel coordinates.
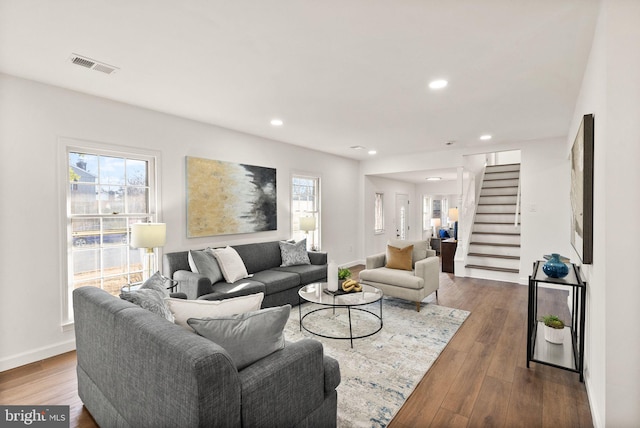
(226, 198)
(582, 190)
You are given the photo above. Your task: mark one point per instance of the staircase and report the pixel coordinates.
(494, 246)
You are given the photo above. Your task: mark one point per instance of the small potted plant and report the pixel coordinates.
(553, 329)
(343, 274)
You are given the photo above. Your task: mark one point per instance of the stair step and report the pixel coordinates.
(499, 187)
(499, 178)
(494, 244)
(495, 204)
(495, 256)
(497, 233)
(498, 269)
(492, 222)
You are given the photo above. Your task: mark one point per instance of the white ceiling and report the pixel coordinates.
(338, 72)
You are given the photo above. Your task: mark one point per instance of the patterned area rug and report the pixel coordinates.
(381, 371)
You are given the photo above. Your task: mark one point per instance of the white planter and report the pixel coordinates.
(554, 335)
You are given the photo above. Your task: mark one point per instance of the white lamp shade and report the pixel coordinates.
(148, 235)
(453, 214)
(307, 224)
(435, 222)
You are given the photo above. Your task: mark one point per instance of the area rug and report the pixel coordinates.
(379, 372)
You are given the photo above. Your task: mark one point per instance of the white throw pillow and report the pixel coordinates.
(182, 309)
(230, 263)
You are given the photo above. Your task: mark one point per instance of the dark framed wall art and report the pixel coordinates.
(227, 198)
(582, 190)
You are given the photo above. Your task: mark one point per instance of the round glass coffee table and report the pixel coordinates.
(319, 294)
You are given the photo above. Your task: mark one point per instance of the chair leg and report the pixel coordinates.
(436, 295)
(417, 306)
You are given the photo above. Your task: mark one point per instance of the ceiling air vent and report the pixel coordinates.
(92, 64)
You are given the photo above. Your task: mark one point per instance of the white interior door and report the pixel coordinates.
(402, 216)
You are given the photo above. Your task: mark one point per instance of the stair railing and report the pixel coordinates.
(515, 221)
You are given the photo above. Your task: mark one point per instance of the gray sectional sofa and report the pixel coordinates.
(136, 369)
(262, 260)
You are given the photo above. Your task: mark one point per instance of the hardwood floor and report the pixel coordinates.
(480, 379)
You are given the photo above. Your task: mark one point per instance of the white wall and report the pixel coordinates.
(611, 91)
(33, 116)
(377, 243)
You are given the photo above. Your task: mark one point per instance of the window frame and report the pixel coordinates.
(378, 211)
(316, 241)
(65, 147)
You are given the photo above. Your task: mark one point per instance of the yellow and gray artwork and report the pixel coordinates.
(229, 198)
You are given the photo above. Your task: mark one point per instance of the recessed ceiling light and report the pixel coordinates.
(372, 152)
(276, 122)
(357, 147)
(449, 143)
(485, 137)
(434, 178)
(438, 84)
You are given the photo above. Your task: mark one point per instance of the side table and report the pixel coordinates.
(448, 253)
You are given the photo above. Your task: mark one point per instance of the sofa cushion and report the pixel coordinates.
(399, 258)
(294, 254)
(230, 263)
(260, 256)
(247, 337)
(276, 281)
(205, 263)
(308, 273)
(397, 277)
(224, 290)
(149, 299)
(419, 248)
(182, 310)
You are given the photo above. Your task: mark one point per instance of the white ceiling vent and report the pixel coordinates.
(92, 64)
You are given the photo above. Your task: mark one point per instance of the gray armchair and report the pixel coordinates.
(415, 284)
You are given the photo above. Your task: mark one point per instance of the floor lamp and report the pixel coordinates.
(308, 224)
(148, 236)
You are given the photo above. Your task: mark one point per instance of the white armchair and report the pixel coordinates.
(412, 285)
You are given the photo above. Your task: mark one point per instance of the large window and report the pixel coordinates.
(305, 209)
(426, 213)
(106, 192)
(378, 215)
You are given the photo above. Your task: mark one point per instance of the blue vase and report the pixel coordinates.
(554, 268)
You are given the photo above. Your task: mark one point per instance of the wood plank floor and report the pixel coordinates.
(479, 380)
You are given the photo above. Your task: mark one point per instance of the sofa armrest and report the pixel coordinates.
(331, 374)
(429, 270)
(431, 253)
(193, 284)
(375, 261)
(317, 257)
(290, 381)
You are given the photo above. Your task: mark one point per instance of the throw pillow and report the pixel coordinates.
(156, 282)
(294, 254)
(444, 234)
(419, 248)
(182, 309)
(151, 300)
(247, 337)
(230, 263)
(205, 263)
(399, 258)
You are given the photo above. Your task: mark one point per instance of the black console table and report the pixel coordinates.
(570, 354)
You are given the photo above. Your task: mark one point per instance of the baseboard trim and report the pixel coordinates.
(34, 355)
